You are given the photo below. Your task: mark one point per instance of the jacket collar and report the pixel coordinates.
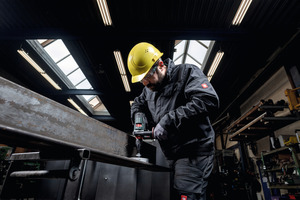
(171, 65)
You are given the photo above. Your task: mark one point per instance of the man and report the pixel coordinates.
(177, 100)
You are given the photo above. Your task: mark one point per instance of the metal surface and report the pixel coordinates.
(111, 182)
(31, 118)
(25, 156)
(26, 112)
(48, 182)
(40, 174)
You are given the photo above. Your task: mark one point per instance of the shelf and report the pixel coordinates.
(275, 151)
(260, 121)
(275, 169)
(284, 186)
(280, 164)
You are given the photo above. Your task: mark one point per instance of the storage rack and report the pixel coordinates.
(281, 168)
(259, 121)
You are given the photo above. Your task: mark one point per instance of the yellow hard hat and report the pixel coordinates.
(140, 60)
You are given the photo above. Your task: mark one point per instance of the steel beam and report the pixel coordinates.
(29, 118)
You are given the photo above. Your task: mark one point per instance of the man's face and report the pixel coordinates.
(153, 81)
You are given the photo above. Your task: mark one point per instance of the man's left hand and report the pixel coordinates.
(160, 133)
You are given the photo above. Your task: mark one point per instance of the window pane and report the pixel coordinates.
(88, 97)
(76, 77)
(189, 60)
(197, 51)
(206, 42)
(178, 61)
(57, 50)
(84, 85)
(94, 102)
(68, 65)
(179, 49)
(41, 40)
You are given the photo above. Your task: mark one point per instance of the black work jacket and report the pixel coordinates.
(181, 107)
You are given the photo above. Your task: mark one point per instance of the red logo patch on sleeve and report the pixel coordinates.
(183, 197)
(204, 85)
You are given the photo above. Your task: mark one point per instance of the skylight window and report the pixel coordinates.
(83, 85)
(65, 61)
(57, 50)
(77, 77)
(42, 41)
(66, 66)
(191, 51)
(178, 54)
(191, 60)
(197, 51)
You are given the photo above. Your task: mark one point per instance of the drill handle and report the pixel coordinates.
(143, 134)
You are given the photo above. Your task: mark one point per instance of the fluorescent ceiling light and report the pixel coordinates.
(76, 106)
(37, 68)
(102, 4)
(215, 64)
(240, 14)
(122, 71)
(131, 102)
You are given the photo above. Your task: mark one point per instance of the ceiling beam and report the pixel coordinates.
(142, 33)
(72, 92)
(77, 92)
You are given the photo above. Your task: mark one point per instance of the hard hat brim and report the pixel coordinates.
(138, 78)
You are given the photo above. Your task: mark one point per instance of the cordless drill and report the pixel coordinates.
(140, 132)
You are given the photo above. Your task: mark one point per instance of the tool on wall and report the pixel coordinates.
(293, 98)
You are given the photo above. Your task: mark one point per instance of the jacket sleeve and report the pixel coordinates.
(200, 96)
(139, 105)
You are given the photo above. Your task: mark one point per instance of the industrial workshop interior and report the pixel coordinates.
(66, 94)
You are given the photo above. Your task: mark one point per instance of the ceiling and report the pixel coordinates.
(252, 51)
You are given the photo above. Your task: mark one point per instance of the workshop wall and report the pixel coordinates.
(272, 89)
(228, 142)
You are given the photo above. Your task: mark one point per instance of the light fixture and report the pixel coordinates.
(215, 64)
(102, 4)
(237, 20)
(37, 68)
(122, 71)
(131, 102)
(76, 106)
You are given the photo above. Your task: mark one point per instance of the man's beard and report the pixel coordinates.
(156, 86)
(153, 87)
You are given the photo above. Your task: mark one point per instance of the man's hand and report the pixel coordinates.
(160, 133)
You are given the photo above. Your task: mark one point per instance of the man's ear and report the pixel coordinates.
(161, 63)
(162, 68)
